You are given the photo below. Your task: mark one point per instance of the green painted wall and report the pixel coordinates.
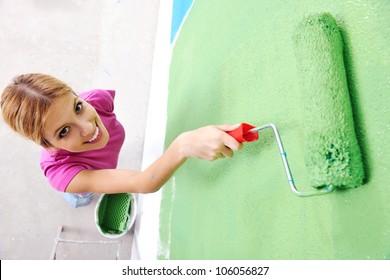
(234, 62)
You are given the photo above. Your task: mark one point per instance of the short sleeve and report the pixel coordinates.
(60, 173)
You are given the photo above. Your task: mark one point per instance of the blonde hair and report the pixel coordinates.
(26, 101)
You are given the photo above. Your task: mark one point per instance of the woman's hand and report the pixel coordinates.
(209, 142)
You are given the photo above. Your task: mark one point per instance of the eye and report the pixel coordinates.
(79, 106)
(64, 132)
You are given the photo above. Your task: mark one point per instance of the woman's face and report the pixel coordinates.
(74, 125)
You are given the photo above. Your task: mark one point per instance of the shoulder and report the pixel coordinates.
(60, 169)
(101, 99)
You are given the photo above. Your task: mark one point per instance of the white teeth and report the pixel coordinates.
(95, 135)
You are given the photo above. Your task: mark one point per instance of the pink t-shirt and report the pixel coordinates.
(61, 166)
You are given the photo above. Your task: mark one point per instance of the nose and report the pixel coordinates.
(86, 128)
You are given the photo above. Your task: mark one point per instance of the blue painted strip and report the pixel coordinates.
(179, 10)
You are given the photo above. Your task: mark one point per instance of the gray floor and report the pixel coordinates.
(88, 44)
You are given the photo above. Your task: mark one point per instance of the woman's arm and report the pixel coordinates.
(208, 143)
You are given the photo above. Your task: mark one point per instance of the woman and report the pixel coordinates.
(82, 138)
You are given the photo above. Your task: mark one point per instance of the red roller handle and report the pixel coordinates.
(242, 134)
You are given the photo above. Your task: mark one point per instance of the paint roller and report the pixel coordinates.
(332, 153)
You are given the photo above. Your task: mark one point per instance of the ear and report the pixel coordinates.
(46, 144)
(51, 149)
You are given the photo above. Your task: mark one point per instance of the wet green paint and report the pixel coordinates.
(234, 62)
(332, 152)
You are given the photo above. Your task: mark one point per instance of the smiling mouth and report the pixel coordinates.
(95, 136)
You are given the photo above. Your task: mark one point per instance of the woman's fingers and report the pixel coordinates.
(210, 142)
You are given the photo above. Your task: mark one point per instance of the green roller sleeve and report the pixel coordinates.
(113, 213)
(332, 152)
